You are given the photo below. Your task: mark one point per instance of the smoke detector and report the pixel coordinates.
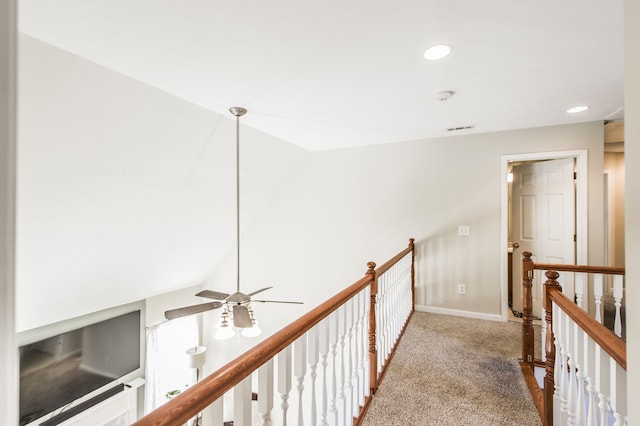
(444, 95)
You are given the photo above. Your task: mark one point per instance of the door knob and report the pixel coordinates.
(516, 245)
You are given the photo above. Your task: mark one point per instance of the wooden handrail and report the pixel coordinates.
(613, 270)
(199, 396)
(605, 338)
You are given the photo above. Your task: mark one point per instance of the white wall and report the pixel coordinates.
(351, 206)
(8, 350)
(124, 191)
(614, 166)
(632, 198)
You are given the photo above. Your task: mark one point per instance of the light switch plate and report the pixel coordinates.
(463, 230)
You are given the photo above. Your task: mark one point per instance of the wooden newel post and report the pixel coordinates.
(413, 274)
(373, 352)
(528, 337)
(549, 346)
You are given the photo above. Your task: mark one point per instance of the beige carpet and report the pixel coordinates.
(454, 371)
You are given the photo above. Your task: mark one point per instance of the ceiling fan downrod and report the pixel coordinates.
(238, 112)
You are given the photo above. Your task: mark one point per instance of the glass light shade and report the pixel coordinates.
(224, 333)
(252, 331)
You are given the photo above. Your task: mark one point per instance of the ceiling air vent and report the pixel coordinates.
(455, 129)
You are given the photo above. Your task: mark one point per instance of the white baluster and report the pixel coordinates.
(242, 403)
(364, 348)
(324, 352)
(384, 319)
(559, 365)
(580, 286)
(618, 393)
(617, 297)
(333, 342)
(571, 396)
(602, 383)
(390, 317)
(313, 342)
(563, 371)
(589, 355)
(355, 376)
(284, 380)
(579, 336)
(300, 370)
(265, 392)
(597, 294)
(217, 412)
(350, 317)
(342, 329)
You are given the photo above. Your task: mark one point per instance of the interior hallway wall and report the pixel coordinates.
(614, 166)
(350, 206)
(124, 191)
(632, 201)
(8, 350)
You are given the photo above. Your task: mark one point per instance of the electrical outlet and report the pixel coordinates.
(462, 289)
(464, 230)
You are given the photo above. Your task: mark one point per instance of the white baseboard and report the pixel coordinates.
(459, 313)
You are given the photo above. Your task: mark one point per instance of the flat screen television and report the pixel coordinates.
(58, 370)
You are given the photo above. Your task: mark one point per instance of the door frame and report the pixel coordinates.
(582, 233)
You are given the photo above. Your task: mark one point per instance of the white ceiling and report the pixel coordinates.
(331, 74)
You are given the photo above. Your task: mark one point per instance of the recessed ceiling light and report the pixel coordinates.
(436, 52)
(577, 109)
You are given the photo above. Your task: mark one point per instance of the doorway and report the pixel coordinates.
(581, 225)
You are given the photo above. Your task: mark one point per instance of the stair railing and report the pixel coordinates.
(585, 361)
(600, 277)
(349, 340)
(585, 369)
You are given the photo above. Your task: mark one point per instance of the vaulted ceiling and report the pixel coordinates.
(331, 74)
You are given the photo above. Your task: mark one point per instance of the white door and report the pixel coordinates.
(543, 222)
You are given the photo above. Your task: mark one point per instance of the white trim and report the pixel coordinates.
(609, 211)
(582, 222)
(9, 353)
(459, 313)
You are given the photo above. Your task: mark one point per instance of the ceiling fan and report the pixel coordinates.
(239, 302)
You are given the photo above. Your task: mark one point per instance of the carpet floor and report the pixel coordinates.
(454, 371)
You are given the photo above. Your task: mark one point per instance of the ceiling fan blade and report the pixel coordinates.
(277, 301)
(190, 310)
(241, 317)
(259, 291)
(215, 295)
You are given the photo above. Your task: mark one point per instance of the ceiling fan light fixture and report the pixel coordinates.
(253, 331)
(437, 52)
(225, 330)
(224, 333)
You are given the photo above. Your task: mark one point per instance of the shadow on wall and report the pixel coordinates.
(445, 259)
